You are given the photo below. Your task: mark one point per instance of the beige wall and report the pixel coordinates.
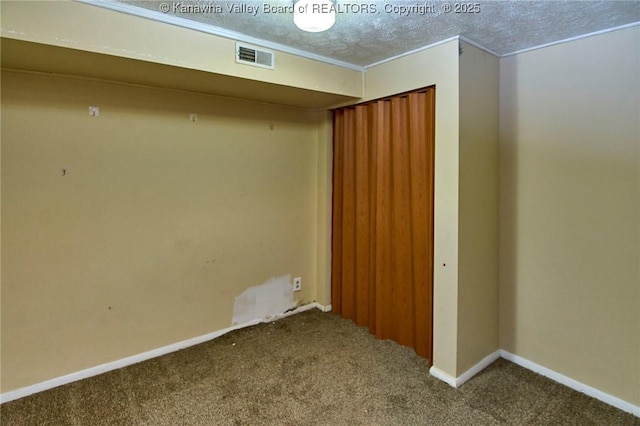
(570, 210)
(436, 66)
(158, 224)
(324, 208)
(478, 203)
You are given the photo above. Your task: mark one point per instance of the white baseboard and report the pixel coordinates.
(456, 382)
(484, 363)
(573, 384)
(134, 359)
(441, 375)
(323, 308)
(530, 365)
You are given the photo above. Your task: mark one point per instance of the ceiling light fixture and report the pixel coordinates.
(314, 16)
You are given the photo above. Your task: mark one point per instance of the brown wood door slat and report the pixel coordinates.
(371, 125)
(348, 216)
(336, 216)
(383, 236)
(420, 220)
(362, 219)
(401, 281)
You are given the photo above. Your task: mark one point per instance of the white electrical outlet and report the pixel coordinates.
(297, 284)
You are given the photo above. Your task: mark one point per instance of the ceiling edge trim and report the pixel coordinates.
(411, 52)
(567, 40)
(213, 30)
(479, 46)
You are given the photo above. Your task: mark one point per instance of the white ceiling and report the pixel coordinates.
(361, 39)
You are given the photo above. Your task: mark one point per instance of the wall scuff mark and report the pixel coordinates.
(263, 301)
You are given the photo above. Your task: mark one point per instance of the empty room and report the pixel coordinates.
(320, 212)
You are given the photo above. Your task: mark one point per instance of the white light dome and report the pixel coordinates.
(314, 16)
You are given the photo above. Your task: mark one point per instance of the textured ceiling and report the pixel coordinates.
(363, 37)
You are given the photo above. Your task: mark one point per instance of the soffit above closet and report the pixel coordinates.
(23, 55)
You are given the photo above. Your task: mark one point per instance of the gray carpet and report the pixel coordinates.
(311, 369)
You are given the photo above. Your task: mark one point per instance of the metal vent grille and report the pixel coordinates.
(255, 56)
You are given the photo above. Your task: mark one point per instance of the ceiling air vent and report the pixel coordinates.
(251, 55)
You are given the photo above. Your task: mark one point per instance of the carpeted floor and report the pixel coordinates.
(308, 369)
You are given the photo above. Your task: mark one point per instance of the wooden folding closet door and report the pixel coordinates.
(382, 243)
